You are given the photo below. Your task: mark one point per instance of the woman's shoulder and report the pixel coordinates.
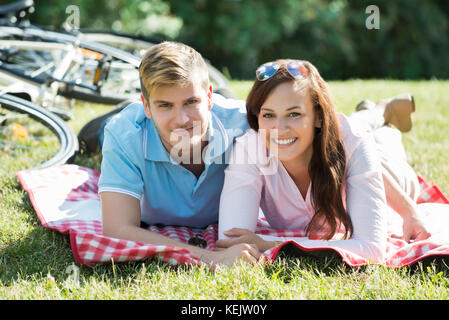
(352, 133)
(251, 149)
(349, 127)
(247, 144)
(250, 136)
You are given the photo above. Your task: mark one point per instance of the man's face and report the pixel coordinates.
(180, 115)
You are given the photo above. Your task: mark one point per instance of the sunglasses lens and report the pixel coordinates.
(266, 70)
(297, 69)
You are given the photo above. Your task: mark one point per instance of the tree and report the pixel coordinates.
(130, 16)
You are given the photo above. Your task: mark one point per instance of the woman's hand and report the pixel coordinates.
(413, 229)
(229, 256)
(244, 236)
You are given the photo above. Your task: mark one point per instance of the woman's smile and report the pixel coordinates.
(285, 142)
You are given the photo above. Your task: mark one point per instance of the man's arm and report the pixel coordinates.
(399, 201)
(121, 220)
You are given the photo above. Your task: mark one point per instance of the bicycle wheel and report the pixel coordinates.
(138, 45)
(32, 133)
(73, 68)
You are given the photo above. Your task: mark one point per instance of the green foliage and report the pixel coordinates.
(236, 33)
(411, 43)
(130, 16)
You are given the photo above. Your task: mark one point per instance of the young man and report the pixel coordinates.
(164, 158)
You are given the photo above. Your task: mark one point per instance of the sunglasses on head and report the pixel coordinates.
(296, 68)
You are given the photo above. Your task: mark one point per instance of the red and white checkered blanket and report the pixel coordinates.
(66, 199)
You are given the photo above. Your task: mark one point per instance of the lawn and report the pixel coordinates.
(37, 263)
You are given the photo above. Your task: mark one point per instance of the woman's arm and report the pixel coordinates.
(365, 203)
(240, 198)
(240, 202)
(413, 228)
(121, 220)
(243, 184)
(262, 242)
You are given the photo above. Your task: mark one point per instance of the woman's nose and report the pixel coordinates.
(281, 125)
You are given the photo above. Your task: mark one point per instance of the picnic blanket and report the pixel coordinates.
(65, 198)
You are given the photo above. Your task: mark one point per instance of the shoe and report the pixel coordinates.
(365, 105)
(398, 110)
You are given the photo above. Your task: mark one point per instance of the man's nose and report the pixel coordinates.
(181, 117)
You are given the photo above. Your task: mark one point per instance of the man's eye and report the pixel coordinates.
(190, 102)
(164, 105)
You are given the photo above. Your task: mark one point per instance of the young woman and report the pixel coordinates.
(307, 167)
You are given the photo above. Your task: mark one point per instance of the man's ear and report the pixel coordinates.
(146, 107)
(209, 97)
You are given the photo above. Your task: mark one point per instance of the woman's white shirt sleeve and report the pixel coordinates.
(241, 194)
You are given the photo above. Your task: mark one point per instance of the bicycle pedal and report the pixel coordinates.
(63, 114)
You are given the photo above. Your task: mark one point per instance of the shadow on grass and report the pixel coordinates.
(329, 263)
(38, 251)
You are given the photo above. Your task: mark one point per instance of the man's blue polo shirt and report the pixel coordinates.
(136, 163)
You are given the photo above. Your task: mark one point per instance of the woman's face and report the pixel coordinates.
(287, 121)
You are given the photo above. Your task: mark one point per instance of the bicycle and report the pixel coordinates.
(67, 66)
(27, 130)
(138, 45)
(15, 19)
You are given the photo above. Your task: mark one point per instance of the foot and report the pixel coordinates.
(365, 105)
(398, 111)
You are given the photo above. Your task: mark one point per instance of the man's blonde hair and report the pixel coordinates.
(171, 63)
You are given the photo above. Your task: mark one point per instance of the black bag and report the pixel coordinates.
(89, 133)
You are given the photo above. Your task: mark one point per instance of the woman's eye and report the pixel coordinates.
(294, 114)
(267, 115)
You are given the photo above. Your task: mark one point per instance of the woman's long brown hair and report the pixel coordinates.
(328, 164)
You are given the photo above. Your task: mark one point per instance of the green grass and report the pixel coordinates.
(35, 262)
